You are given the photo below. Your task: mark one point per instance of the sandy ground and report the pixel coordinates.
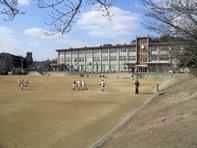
(48, 114)
(170, 121)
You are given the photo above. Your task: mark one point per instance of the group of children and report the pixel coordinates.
(81, 85)
(22, 83)
(77, 84)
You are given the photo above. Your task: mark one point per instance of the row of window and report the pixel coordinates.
(122, 58)
(131, 58)
(97, 59)
(143, 60)
(160, 57)
(114, 58)
(103, 66)
(158, 48)
(132, 50)
(143, 50)
(122, 50)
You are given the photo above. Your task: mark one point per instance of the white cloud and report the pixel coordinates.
(67, 40)
(122, 23)
(8, 42)
(35, 32)
(42, 34)
(23, 2)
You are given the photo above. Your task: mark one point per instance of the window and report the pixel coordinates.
(105, 51)
(104, 58)
(67, 59)
(143, 59)
(123, 50)
(143, 50)
(132, 49)
(97, 51)
(113, 58)
(74, 52)
(113, 67)
(61, 54)
(89, 51)
(96, 59)
(113, 50)
(154, 48)
(164, 49)
(103, 67)
(163, 57)
(142, 41)
(130, 58)
(81, 51)
(90, 59)
(67, 52)
(75, 59)
(81, 59)
(123, 58)
(61, 60)
(154, 57)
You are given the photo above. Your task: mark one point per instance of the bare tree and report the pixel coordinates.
(176, 18)
(63, 13)
(9, 8)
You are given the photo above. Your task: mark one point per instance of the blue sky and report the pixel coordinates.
(25, 32)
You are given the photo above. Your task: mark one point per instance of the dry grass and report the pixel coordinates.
(170, 121)
(48, 114)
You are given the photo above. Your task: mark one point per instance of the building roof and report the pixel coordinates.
(12, 55)
(98, 47)
(131, 44)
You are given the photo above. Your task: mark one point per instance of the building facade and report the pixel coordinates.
(10, 62)
(29, 61)
(141, 55)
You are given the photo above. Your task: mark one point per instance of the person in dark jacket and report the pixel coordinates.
(137, 85)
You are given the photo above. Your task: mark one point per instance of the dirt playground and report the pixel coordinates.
(49, 114)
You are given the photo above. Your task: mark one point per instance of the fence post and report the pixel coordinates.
(157, 87)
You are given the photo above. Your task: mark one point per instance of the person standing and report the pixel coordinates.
(102, 83)
(79, 84)
(137, 85)
(84, 85)
(19, 81)
(74, 84)
(22, 84)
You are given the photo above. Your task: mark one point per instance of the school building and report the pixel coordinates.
(10, 62)
(142, 55)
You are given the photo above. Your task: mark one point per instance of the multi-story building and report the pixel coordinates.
(140, 55)
(9, 62)
(29, 61)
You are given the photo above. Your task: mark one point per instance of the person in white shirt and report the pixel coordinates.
(79, 84)
(102, 84)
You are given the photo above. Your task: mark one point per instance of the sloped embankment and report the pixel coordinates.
(169, 121)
